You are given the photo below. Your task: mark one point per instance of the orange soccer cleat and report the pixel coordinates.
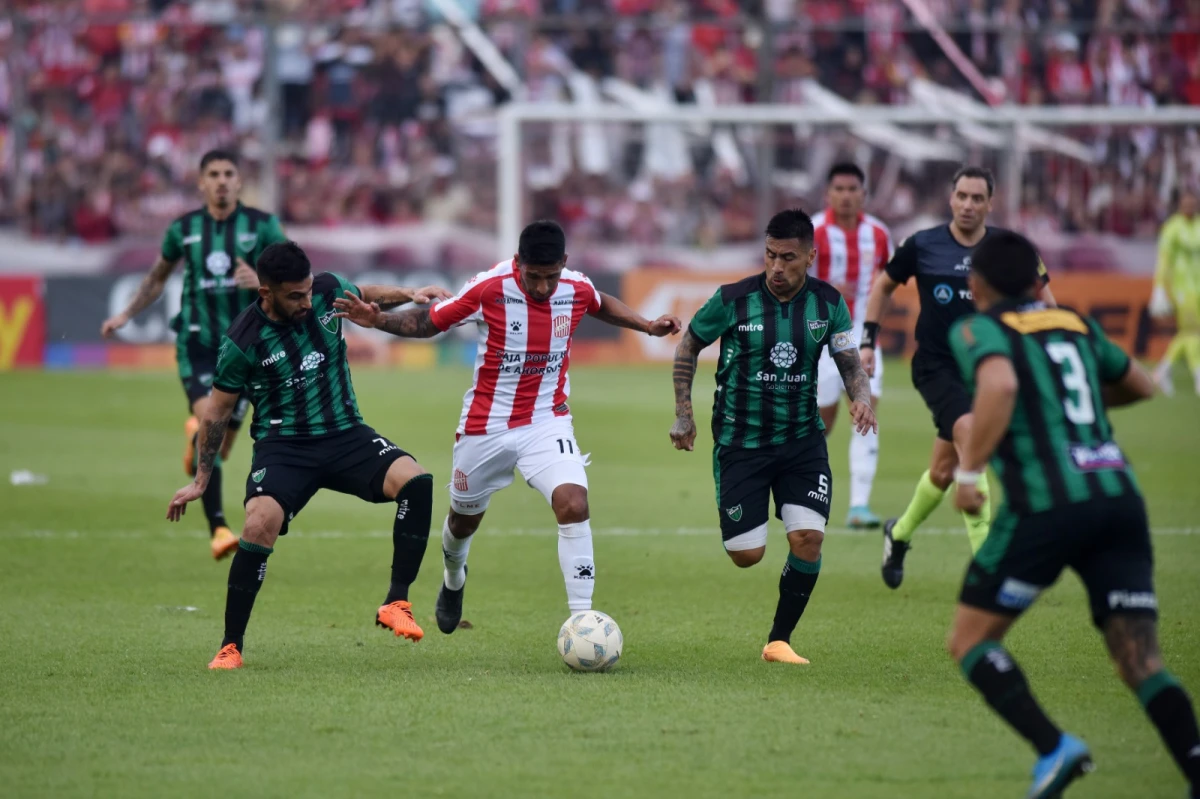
(223, 543)
(228, 658)
(782, 652)
(190, 429)
(397, 617)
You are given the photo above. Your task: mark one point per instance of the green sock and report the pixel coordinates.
(924, 502)
(978, 524)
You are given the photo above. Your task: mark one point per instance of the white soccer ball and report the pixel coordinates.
(590, 641)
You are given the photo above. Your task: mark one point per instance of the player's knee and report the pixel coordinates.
(463, 526)
(941, 473)
(570, 504)
(402, 472)
(745, 558)
(264, 520)
(806, 544)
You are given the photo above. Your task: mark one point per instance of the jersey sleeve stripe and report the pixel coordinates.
(448, 313)
(824, 252)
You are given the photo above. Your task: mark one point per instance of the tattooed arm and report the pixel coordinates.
(858, 387)
(149, 291)
(212, 433)
(388, 297)
(409, 323)
(683, 432)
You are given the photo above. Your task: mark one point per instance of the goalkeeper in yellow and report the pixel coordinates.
(1177, 287)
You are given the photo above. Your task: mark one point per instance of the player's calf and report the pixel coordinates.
(575, 554)
(1132, 642)
(264, 519)
(412, 489)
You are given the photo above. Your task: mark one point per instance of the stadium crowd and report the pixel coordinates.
(384, 117)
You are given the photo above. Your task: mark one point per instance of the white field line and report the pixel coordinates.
(511, 532)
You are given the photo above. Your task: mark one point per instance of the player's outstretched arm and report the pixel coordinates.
(616, 313)
(995, 399)
(877, 303)
(858, 388)
(683, 431)
(388, 297)
(409, 323)
(150, 290)
(212, 432)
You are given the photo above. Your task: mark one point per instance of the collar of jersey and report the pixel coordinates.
(237, 209)
(832, 217)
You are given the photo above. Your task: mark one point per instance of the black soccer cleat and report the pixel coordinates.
(449, 608)
(893, 557)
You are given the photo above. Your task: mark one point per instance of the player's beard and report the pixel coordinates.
(293, 317)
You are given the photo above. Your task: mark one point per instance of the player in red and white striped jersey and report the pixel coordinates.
(852, 247)
(515, 415)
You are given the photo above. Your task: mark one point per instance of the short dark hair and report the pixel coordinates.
(217, 155)
(542, 243)
(981, 172)
(846, 168)
(1008, 262)
(284, 262)
(791, 223)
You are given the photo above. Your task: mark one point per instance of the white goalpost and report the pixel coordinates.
(963, 126)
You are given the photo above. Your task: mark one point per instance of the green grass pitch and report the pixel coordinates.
(108, 615)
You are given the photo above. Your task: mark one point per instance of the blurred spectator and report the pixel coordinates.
(384, 117)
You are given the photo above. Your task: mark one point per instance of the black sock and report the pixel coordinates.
(410, 534)
(795, 587)
(214, 509)
(997, 676)
(1170, 709)
(246, 575)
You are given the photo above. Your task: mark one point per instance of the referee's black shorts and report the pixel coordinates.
(945, 394)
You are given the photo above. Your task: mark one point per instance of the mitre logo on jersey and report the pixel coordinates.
(562, 326)
(311, 361)
(783, 355)
(276, 358)
(817, 328)
(218, 263)
(750, 328)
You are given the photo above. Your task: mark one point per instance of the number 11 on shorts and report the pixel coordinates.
(566, 445)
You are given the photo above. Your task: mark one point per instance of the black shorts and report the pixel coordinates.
(291, 469)
(197, 365)
(1106, 542)
(797, 473)
(941, 386)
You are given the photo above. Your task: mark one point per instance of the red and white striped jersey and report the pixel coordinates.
(524, 347)
(850, 261)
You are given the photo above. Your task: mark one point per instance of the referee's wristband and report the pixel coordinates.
(965, 478)
(870, 332)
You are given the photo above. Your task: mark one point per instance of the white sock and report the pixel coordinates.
(864, 458)
(575, 560)
(454, 557)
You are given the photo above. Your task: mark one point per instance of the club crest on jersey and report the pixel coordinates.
(460, 480)
(218, 263)
(943, 293)
(734, 513)
(329, 321)
(562, 326)
(817, 328)
(259, 475)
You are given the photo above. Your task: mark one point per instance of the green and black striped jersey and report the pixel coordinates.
(1059, 447)
(767, 372)
(210, 250)
(297, 374)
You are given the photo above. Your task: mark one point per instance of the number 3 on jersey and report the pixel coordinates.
(1078, 403)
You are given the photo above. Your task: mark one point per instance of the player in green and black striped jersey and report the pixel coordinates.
(767, 433)
(289, 351)
(218, 244)
(1042, 380)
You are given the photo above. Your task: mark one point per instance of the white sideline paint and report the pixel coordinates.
(550, 531)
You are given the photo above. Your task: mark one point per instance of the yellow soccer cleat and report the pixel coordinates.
(781, 652)
(397, 617)
(190, 429)
(228, 658)
(223, 542)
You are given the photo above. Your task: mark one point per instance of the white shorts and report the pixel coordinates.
(545, 452)
(829, 379)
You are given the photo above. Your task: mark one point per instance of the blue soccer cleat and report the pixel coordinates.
(861, 518)
(1052, 773)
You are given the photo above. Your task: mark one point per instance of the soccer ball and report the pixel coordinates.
(590, 641)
